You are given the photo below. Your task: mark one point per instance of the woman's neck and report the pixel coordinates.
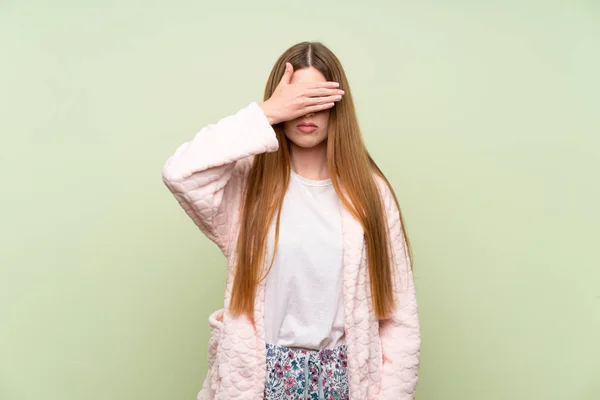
(310, 163)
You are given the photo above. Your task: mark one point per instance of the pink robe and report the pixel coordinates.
(206, 175)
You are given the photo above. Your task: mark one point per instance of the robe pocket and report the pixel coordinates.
(215, 320)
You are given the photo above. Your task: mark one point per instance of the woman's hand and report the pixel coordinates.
(292, 100)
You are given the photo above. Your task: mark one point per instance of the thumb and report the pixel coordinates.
(287, 75)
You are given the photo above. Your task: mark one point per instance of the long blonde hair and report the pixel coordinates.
(350, 166)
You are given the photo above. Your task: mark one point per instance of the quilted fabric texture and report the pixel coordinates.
(207, 175)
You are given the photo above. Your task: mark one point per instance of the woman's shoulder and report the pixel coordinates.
(383, 184)
(387, 194)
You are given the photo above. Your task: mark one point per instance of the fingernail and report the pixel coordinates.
(340, 91)
(335, 84)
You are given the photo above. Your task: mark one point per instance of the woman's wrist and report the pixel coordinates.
(268, 113)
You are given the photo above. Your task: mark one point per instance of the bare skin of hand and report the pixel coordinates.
(292, 100)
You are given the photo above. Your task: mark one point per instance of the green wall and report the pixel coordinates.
(484, 115)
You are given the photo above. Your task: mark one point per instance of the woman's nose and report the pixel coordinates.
(312, 114)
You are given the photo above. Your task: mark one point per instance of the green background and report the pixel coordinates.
(484, 115)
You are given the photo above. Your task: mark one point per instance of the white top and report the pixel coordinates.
(304, 305)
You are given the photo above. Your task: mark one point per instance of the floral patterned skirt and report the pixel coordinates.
(294, 374)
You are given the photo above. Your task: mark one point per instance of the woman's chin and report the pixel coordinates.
(306, 140)
(307, 144)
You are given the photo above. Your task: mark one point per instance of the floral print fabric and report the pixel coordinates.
(295, 374)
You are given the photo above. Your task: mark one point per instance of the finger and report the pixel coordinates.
(322, 92)
(318, 85)
(311, 101)
(287, 74)
(317, 108)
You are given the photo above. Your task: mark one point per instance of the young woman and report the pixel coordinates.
(320, 300)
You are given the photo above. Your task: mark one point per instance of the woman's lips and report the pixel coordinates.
(307, 127)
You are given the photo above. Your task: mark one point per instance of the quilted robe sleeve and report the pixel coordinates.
(205, 174)
(400, 334)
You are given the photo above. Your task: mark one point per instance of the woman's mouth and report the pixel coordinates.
(307, 127)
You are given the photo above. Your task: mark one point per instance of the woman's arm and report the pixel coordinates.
(199, 172)
(400, 334)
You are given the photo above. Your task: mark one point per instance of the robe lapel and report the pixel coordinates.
(353, 247)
